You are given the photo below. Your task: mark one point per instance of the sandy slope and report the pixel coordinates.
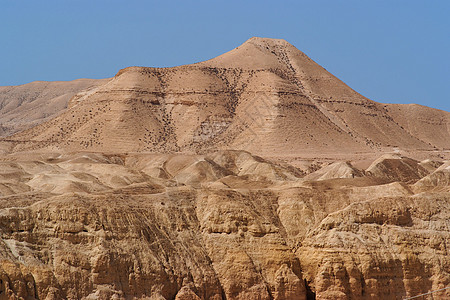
(27, 105)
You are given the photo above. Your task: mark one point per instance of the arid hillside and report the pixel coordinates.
(265, 96)
(24, 106)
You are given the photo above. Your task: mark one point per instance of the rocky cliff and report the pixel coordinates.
(227, 225)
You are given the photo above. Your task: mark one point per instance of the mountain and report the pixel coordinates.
(254, 175)
(265, 96)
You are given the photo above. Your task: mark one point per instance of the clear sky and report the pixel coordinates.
(393, 51)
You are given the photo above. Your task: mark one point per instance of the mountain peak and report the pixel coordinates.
(267, 41)
(255, 53)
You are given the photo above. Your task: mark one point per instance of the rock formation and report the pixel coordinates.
(98, 226)
(254, 175)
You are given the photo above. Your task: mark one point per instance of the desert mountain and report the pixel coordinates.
(142, 187)
(265, 96)
(27, 105)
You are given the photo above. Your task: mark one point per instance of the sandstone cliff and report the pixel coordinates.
(92, 226)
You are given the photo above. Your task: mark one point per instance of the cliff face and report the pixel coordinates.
(98, 226)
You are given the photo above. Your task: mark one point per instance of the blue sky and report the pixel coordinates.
(390, 51)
